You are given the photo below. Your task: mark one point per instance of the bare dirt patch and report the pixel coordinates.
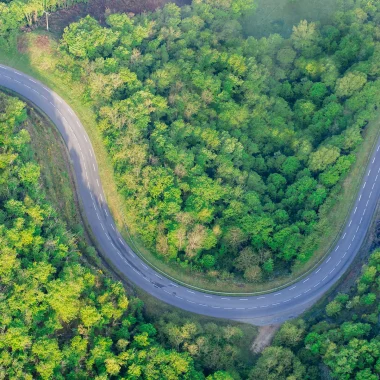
(99, 9)
(22, 44)
(264, 338)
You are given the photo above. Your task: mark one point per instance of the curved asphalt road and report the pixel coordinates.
(265, 309)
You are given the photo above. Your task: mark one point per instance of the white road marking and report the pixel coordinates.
(225, 299)
(307, 291)
(144, 266)
(317, 284)
(287, 300)
(166, 291)
(324, 278)
(360, 197)
(93, 165)
(328, 259)
(339, 262)
(261, 298)
(158, 276)
(318, 270)
(189, 291)
(215, 307)
(355, 210)
(344, 235)
(71, 113)
(207, 296)
(190, 301)
(336, 248)
(102, 226)
(97, 181)
(364, 184)
(299, 295)
(32, 80)
(179, 297)
(306, 280)
(17, 73)
(17, 81)
(97, 215)
(292, 288)
(112, 227)
(277, 294)
(176, 286)
(345, 253)
(332, 270)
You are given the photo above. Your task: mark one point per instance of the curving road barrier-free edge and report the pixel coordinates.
(259, 309)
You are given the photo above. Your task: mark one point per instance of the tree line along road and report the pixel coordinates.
(260, 309)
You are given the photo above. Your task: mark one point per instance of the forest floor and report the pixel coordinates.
(99, 9)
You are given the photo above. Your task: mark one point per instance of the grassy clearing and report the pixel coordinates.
(49, 152)
(279, 16)
(37, 59)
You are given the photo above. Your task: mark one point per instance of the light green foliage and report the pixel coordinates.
(60, 319)
(278, 363)
(213, 347)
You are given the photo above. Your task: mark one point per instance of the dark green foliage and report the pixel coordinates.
(221, 143)
(347, 342)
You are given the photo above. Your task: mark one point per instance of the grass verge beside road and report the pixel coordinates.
(34, 55)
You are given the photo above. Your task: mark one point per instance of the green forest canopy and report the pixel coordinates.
(345, 337)
(227, 150)
(59, 318)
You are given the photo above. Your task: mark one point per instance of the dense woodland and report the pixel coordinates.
(345, 337)
(229, 151)
(59, 318)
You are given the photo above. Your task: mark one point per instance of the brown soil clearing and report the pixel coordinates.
(264, 338)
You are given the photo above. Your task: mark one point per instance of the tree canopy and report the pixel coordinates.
(227, 149)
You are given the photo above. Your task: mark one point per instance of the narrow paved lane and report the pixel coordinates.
(259, 309)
